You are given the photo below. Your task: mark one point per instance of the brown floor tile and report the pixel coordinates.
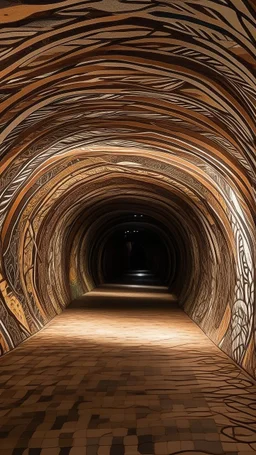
(102, 381)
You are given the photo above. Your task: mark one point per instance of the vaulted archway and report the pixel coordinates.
(109, 104)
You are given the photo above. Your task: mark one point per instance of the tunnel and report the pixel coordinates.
(127, 210)
(135, 253)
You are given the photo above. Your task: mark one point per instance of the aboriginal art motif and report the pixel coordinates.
(108, 106)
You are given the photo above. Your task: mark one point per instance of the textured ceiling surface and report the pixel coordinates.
(110, 101)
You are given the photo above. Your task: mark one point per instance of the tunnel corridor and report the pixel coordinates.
(127, 227)
(137, 251)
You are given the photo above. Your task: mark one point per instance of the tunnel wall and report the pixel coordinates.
(166, 86)
(226, 311)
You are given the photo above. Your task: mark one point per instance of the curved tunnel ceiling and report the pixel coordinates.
(111, 105)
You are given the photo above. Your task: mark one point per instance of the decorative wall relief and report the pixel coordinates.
(87, 87)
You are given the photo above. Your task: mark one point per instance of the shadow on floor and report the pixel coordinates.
(113, 297)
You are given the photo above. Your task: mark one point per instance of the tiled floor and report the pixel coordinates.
(111, 379)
